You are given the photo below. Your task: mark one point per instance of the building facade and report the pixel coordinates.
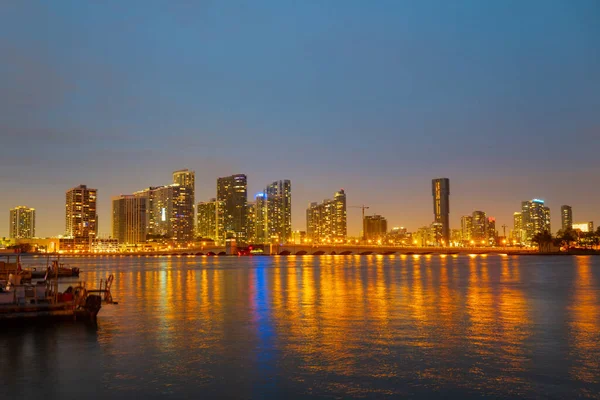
(22, 223)
(233, 192)
(535, 219)
(375, 227)
(184, 188)
(566, 217)
(251, 222)
(81, 217)
(210, 221)
(517, 227)
(584, 226)
(440, 189)
(279, 211)
(327, 221)
(466, 227)
(170, 209)
(129, 219)
(479, 229)
(492, 233)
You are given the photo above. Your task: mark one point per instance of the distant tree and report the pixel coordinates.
(23, 247)
(565, 238)
(543, 240)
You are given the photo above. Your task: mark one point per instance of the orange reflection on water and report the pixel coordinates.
(584, 324)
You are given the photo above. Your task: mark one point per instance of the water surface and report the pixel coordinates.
(329, 327)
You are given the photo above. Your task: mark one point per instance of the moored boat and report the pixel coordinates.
(63, 272)
(42, 300)
(19, 300)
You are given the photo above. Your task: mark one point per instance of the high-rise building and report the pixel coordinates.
(183, 222)
(535, 219)
(170, 209)
(466, 226)
(22, 223)
(479, 227)
(81, 216)
(375, 227)
(440, 189)
(566, 217)
(233, 191)
(517, 227)
(129, 216)
(492, 234)
(251, 222)
(279, 211)
(260, 219)
(327, 222)
(210, 220)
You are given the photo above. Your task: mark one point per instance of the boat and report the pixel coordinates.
(42, 300)
(63, 272)
(7, 268)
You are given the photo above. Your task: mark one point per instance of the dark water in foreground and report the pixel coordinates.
(330, 326)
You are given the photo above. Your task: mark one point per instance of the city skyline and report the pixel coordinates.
(454, 225)
(375, 99)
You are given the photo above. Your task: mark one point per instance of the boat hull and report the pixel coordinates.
(52, 311)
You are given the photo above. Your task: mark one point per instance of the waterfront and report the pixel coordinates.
(329, 326)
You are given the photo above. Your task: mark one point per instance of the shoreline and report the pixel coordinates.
(388, 253)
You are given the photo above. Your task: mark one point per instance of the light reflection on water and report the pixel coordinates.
(341, 326)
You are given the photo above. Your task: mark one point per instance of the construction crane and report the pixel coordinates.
(363, 207)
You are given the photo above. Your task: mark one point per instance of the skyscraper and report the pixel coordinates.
(260, 219)
(440, 189)
(466, 226)
(81, 217)
(479, 230)
(170, 208)
(375, 227)
(129, 216)
(279, 210)
(210, 220)
(535, 218)
(327, 221)
(183, 223)
(492, 234)
(251, 222)
(22, 223)
(517, 227)
(566, 217)
(233, 191)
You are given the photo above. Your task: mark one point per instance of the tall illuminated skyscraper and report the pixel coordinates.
(210, 220)
(517, 227)
(129, 216)
(81, 217)
(535, 218)
(279, 211)
(327, 221)
(492, 234)
(183, 204)
(170, 208)
(251, 222)
(440, 189)
(466, 226)
(233, 191)
(260, 219)
(22, 223)
(479, 229)
(566, 217)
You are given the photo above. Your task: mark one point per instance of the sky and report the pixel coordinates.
(376, 97)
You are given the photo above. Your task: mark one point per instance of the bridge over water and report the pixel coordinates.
(317, 250)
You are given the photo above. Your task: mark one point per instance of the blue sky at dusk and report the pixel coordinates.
(376, 97)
